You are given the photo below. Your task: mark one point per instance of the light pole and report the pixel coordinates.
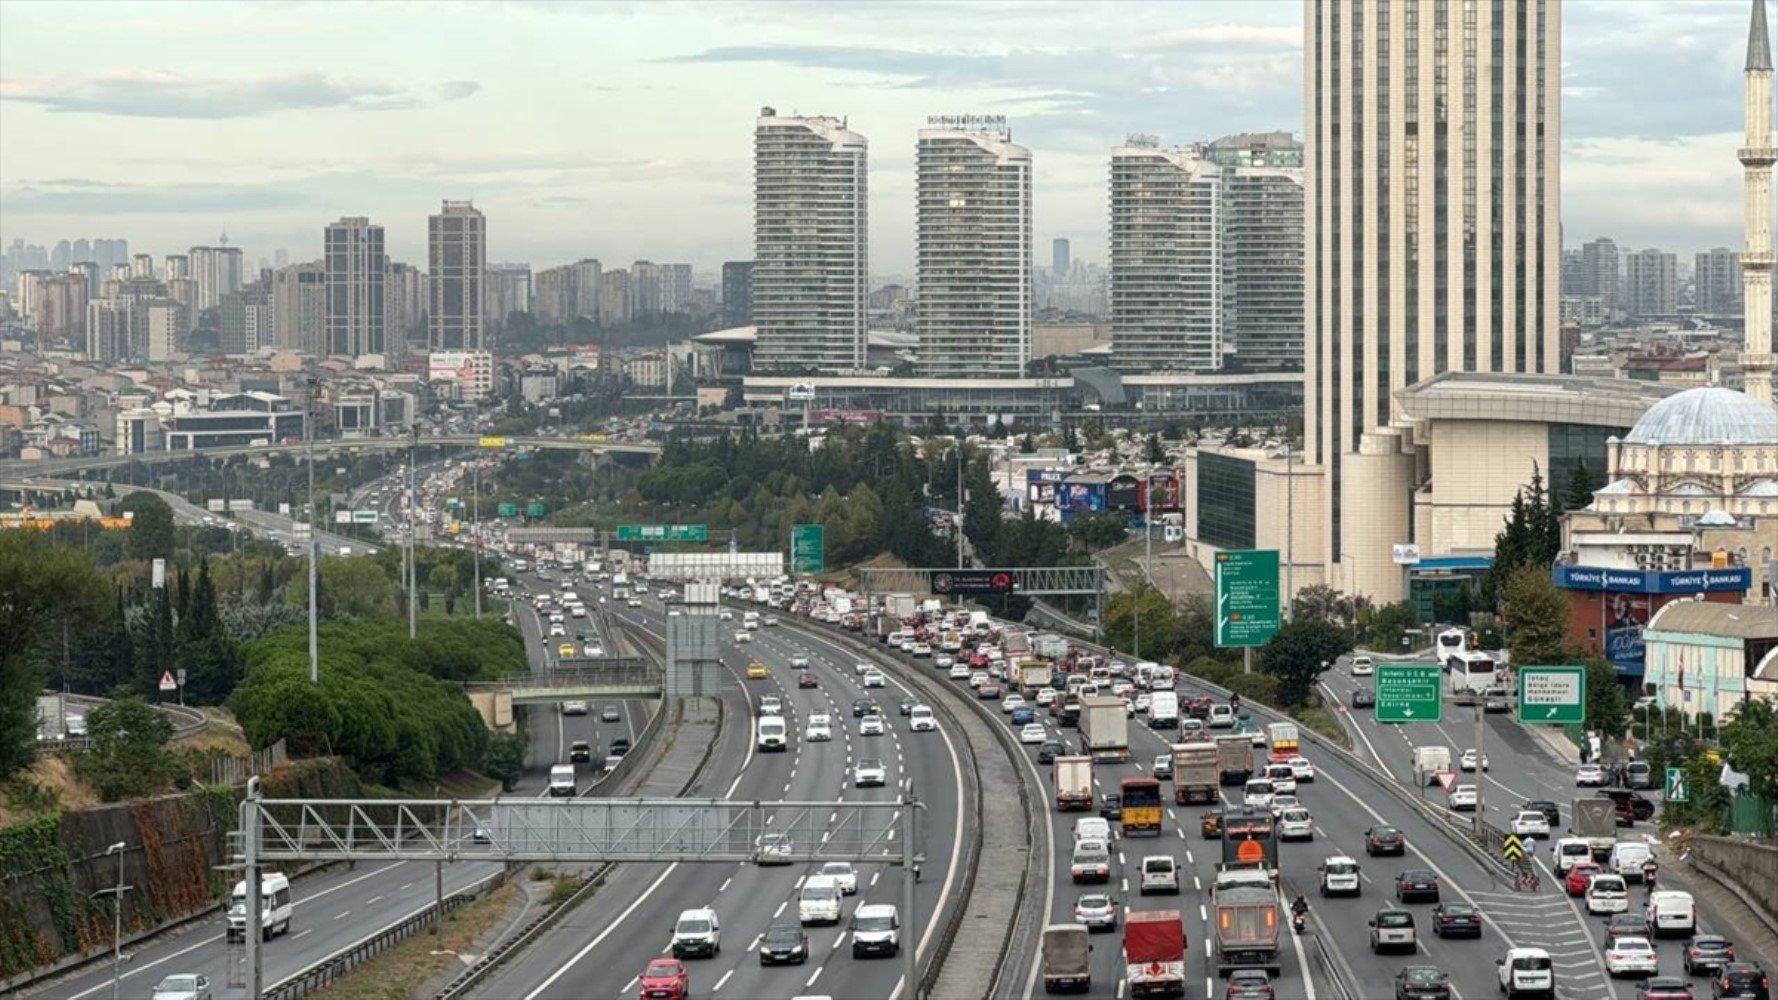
(314, 552)
(959, 501)
(475, 526)
(413, 525)
(116, 893)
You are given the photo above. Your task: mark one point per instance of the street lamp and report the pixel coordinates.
(314, 549)
(116, 892)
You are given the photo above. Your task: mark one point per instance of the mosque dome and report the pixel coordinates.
(1710, 415)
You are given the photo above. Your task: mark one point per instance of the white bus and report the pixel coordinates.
(1452, 641)
(1470, 673)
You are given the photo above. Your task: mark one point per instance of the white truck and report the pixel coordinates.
(1429, 761)
(1163, 710)
(1073, 777)
(1105, 728)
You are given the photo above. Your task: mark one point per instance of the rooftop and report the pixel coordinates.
(1708, 415)
(1743, 621)
(1565, 399)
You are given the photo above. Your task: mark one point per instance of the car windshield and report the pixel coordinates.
(1385, 832)
(1416, 875)
(837, 868)
(870, 764)
(1424, 975)
(1296, 815)
(873, 923)
(662, 969)
(694, 926)
(1536, 962)
(783, 935)
(1633, 944)
(1459, 910)
(1094, 902)
(1395, 918)
(1341, 867)
(819, 891)
(1607, 883)
(175, 983)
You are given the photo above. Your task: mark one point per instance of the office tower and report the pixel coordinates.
(1757, 156)
(1571, 276)
(1059, 257)
(614, 297)
(972, 248)
(107, 330)
(299, 307)
(810, 239)
(457, 254)
(61, 309)
(645, 288)
(141, 265)
(280, 259)
(82, 251)
(554, 297)
(61, 256)
(586, 289)
(1716, 282)
(1601, 272)
(1651, 283)
(404, 306)
(89, 272)
(217, 270)
(245, 319)
(737, 293)
(175, 266)
(357, 272)
(508, 292)
(168, 326)
(675, 288)
(1262, 249)
(1166, 258)
(1433, 184)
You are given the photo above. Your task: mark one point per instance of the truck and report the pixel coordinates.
(1195, 772)
(1249, 920)
(1430, 761)
(1016, 645)
(1154, 953)
(1595, 821)
(1282, 737)
(1105, 727)
(1070, 711)
(1234, 759)
(1163, 710)
(1049, 646)
(1034, 674)
(1067, 958)
(1074, 783)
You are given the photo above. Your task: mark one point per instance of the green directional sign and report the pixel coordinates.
(508, 510)
(1555, 696)
(536, 510)
(663, 533)
(1677, 789)
(1246, 597)
(808, 548)
(1408, 692)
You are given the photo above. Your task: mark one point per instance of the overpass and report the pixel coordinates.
(573, 679)
(58, 466)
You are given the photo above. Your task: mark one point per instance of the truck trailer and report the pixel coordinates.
(1234, 759)
(1248, 921)
(1154, 953)
(1074, 783)
(1195, 772)
(1105, 728)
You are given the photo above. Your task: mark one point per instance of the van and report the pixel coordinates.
(1627, 858)
(561, 781)
(1570, 851)
(1160, 873)
(1672, 912)
(274, 907)
(1430, 761)
(773, 736)
(876, 930)
(1526, 972)
(697, 933)
(819, 902)
(1257, 793)
(1091, 828)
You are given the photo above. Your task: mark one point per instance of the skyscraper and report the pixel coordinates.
(357, 270)
(245, 320)
(1601, 272)
(217, 271)
(1757, 156)
(553, 294)
(737, 293)
(1262, 249)
(1166, 258)
(586, 288)
(675, 288)
(457, 257)
(614, 297)
(972, 248)
(645, 287)
(404, 303)
(1433, 214)
(810, 240)
(1061, 257)
(1651, 283)
(508, 291)
(1716, 282)
(299, 307)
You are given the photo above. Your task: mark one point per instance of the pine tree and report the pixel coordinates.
(1581, 486)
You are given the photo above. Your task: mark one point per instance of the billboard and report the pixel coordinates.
(1081, 495)
(716, 565)
(1124, 492)
(1738, 578)
(1164, 491)
(1626, 615)
(450, 365)
(832, 416)
(1041, 484)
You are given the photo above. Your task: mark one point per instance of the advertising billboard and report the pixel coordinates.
(1124, 493)
(1626, 615)
(1080, 494)
(1041, 484)
(1164, 490)
(853, 417)
(446, 365)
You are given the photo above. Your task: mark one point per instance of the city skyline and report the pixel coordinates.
(261, 146)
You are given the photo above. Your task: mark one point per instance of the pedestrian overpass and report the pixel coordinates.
(603, 678)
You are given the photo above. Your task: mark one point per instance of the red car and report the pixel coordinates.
(1579, 875)
(807, 681)
(665, 979)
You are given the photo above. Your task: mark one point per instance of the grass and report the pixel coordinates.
(408, 967)
(456, 785)
(49, 785)
(1323, 722)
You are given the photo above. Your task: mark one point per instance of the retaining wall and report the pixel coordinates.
(1749, 864)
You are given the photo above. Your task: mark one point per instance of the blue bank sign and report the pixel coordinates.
(1636, 581)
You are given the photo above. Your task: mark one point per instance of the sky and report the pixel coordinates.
(623, 130)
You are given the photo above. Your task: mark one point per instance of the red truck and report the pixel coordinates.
(1154, 953)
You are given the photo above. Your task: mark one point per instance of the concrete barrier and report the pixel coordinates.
(1749, 865)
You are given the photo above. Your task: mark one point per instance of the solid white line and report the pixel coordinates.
(723, 980)
(595, 942)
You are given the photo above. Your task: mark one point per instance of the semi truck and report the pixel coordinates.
(1248, 921)
(1234, 759)
(1430, 761)
(1074, 783)
(1154, 953)
(1195, 772)
(1105, 728)
(1595, 821)
(1067, 958)
(1282, 737)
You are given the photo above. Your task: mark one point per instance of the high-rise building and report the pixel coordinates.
(108, 330)
(675, 288)
(614, 297)
(1716, 282)
(972, 248)
(82, 251)
(61, 309)
(141, 265)
(1651, 283)
(357, 275)
(404, 305)
(1601, 272)
(168, 326)
(457, 256)
(217, 270)
(737, 293)
(586, 288)
(89, 272)
(1433, 181)
(553, 298)
(245, 320)
(509, 291)
(175, 266)
(299, 307)
(1060, 257)
(1262, 249)
(810, 239)
(1166, 258)
(61, 256)
(1757, 154)
(645, 288)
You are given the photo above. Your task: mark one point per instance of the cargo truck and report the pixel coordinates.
(1248, 922)
(1154, 953)
(1105, 728)
(1163, 710)
(1282, 737)
(1067, 958)
(1595, 821)
(1034, 674)
(1070, 713)
(1049, 647)
(1234, 759)
(1074, 783)
(1195, 772)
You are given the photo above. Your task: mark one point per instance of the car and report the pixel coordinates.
(1022, 717)
(1191, 729)
(1742, 981)
(869, 773)
(565, 650)
(1257, 793)
(1380, 840)
(1589, 775)
(862, 707)
(844, 875)
(1142, 703)
(1163, 766)
(696, 932)
(1097, 911)
(183, 986)
(773, 849)
(921, 719)
(634, 602)
(1049, 750)
(1046, 696)
(1470, 760)
(1580, 875)
(1625, 924)
(1305, 771)
(1211, 825)
(1392, 929)
(1339, 877)
(1416, 884)
(771, 621)
(1631, 956)
(1363, 666)
(1111, 806)
(1249, 984)
(871, 725)
(921, 649)
(1012, 702)
(1221, 717)
(575, 707)
(1551, 811)
(1664, 988)
(960, 672)
(783, 944)
(943, 660)
(580, 752)
(1706, 954)
(757, 672)
(1456, 920)
(1033, 733)
(875, 679)
(664, 979)
(905, 704)
(1463, 798)
(819, 730)
(741, 636)
(1296, 824)
(978, 678)
(1364, 698)
(876, 930)
(1530, 824)
(988, 692)
(1607, 893)
(1160, 874)
(1422, 982)
(807, 681)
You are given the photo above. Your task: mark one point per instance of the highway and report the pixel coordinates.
(598, 950)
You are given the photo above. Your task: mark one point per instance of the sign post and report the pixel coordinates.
(1553, 695)
(1246, 597)
(1677, 789)
(973, 581)
(808, 548)
(1408, 692)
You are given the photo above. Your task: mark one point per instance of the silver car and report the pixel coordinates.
(183, 986)
(1097, 911)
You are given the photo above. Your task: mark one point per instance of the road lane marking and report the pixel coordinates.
(724, 979)
(602, 935)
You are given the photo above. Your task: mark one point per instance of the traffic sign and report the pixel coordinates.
(1677, 789)
(167, 681)
(1512, 848)
(1553, 695)
(663, 533)
(508, 510)
(1408, 692)
(1446, 779)
(808, 548)
(364, 517)
(493, 442)
(1246, 597)
(973, 581)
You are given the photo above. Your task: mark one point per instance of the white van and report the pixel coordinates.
(1526, 972)
(697, 932)
(274, 907)
(876, 930)
(1568, 852)
(819, 902)
(561, 781)
(1627, 858)
(1282, 777)
(1257, 793)
(1672, 912)
(1091, 828)
(920, 720)
(773, 736)
(1160, 873)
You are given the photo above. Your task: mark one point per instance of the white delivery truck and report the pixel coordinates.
(1163, 710)
(1105, 728)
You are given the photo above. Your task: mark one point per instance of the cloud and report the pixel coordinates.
(80, 195)
(172, 95)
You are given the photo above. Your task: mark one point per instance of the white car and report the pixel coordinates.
(743, 636)
(1296, 824)
(1221, 717)
(799, 663)
(870, 725)
(1304, 770)
(820, 729)
(1631, 956)
(922, 649)
(1463, 798)
(842, 873)
(1143, 702)
(574, 708)
(1121, 687)
(1032, 733)
(1339, 877)
(1363, 666)
(875, 679)
(979, 678)
(771, 621)
(1097, 911)
(921, 720)
(1045, 696)
(1282, 801)
(1607, 894)
(869, 773)
(1531, 824)
(1589, 776)
(942, 661)
(960, 672)
(1470, 759)
(1257, 793)
(860, 669)
(1011, 702)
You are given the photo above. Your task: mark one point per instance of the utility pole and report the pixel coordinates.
(1290, 521)
(413, 525)
(116, 893)
(959, 501)
(314, 549)
(1481, 766)
(475, 526)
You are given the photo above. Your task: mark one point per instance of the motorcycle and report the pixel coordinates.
(1300, 922)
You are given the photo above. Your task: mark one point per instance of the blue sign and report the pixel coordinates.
(1636, 581)
(1081, 496)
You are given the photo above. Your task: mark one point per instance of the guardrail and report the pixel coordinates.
(187, 722)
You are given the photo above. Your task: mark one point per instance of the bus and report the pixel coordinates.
(1452, 641)
(1249, 838)
(1142, 806)
(1470, 673)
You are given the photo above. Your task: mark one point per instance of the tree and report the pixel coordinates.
(1532, 536)
(1750, 738)
(129, 756)
(1608, 709)
(151, 534)
(1389, 623)
(1154, 451)
(1322, 603)
(353, 588)
(1536, 614)
(504, 759)
(44, 589)
(1581, 485)
(1298, 654)
(1099, 529)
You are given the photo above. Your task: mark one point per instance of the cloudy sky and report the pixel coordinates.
(623, 130)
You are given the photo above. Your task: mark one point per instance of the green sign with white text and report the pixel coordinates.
(808, 548)
(1408, 692)
(1247, 611)
(663, 533)
(1554, 696)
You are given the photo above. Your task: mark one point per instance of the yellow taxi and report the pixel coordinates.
(565, 650)
(756, 671)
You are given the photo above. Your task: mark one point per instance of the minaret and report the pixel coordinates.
(1757, 155)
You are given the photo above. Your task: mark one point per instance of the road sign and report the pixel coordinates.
(536, 510)
(1677, 789)
(1553, 695)
(663, 533)
(1246, 597)
(808, 548)
(364, 517)
(1408, 692)
(1512, 848)
(167, 681)
(493, 442)
(973, 581)
(508, 510)
(1446, 779)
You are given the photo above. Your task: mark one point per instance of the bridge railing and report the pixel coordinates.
(624, 675)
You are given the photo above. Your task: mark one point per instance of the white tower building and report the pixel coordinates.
(1757, 155)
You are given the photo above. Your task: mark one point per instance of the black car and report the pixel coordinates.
(1707, 953)
(620, 746)
(1422, 982)
(1111, 806)
(1049, 751)
(580, 752)
(1625, 925)
(1249, 984)
(862, 707)
(1456, 920)
(1741, 981)
(1551, 811)
(784, 944)
(1416, 883)
(1364, 698)
(906, 705)
(1384, 840)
